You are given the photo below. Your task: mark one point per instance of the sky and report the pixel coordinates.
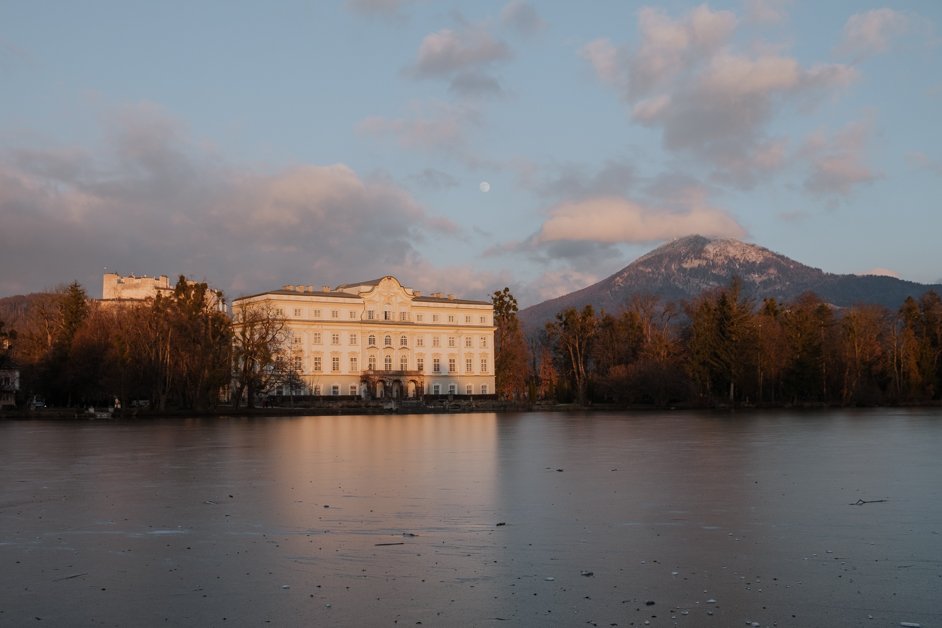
(462, 146)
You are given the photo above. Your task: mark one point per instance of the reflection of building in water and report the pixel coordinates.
(9, 385)
(381, 339)
(117, 288)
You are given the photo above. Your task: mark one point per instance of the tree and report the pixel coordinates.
(258, 350)
(571, 335)
(721, 341)
(808, 324)
(510, 347)
(863, 331)
(57, 375)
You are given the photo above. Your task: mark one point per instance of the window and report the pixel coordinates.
(371, 340)
(335, 390)
(451, 365)
(436, 389)
(403, 341)
(370, 314)
(483, 342)
(484, 365)
(317, 390)
(467, 342)
(353, 390)
(372, 362)
(317, 338)
(451, 318)
(335, 339)
(452, 389)
(469, 389)
(317, 313)
(436, 365)
(353, 315)
(467, 320)
(420, 364)
(420, 341)
(335, 314)
(403, 363)
(483, 389)
(434, 318)
(296, 340)
(387, 341)
(483, 320)
(354, 366)
(317, 362)
(335, 364)
(419, 318)
(296, 363)
(297, 312)
(387, 315)
(403, 316)
(279, 311)
(353, 339)
(436, 341)
(387, 362)
(467, 365)
(451, 341)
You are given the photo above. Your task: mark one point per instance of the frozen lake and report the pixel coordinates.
(677, 519)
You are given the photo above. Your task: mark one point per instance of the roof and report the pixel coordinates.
(294, 293)
(371, 282)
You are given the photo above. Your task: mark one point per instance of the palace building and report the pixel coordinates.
(379, 339)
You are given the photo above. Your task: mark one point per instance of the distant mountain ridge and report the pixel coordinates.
(684, 268)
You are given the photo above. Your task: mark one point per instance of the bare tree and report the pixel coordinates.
(259, 352)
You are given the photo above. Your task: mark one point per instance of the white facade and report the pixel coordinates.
(379, 339)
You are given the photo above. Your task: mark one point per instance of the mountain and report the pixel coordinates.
(683, 269)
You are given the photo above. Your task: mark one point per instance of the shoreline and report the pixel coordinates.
(455, 407)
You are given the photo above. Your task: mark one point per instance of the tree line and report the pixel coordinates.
(173, 351)
(180, 350)
(723, 348)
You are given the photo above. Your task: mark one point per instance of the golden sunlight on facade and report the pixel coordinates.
(379, 339)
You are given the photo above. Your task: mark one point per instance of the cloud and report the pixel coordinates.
(619, 220)
(837, 162)
(159, 203)
(555, 283)
(872, 32)
(437, 127)
(922, 161)
(686, 79)
(882, 272)
(767, 11)
(522, 17)
(571, 181)
(378, 8)
(449, 52)
(434, 179)
(464, 56)
(475, 84)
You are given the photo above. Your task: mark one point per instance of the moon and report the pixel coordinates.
(485, 186)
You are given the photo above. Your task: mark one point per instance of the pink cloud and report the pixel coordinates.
(872, 32)
(619, 220)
